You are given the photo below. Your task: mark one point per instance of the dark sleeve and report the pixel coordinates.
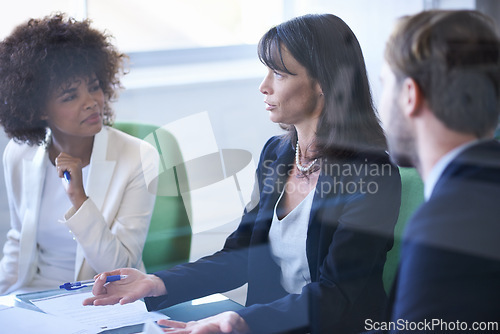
(450, 260)
(349, 287)
(436, 283)
(223, 271)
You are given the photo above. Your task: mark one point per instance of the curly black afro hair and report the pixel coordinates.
(38, 57)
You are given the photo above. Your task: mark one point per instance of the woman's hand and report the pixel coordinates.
(76, 193)
(137, 285)
(226, 322)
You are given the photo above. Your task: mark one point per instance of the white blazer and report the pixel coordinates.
(111, 225)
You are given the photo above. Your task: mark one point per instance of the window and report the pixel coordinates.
(146, 25)
(17, 12)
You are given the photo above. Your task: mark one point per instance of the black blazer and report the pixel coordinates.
(351, 224)
(450, 257)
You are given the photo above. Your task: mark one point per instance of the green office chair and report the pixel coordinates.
(169, 237)
(412, 195)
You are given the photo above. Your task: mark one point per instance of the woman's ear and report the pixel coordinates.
(318, 89)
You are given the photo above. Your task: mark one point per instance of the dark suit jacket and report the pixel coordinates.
(351, 224)
(450, 258)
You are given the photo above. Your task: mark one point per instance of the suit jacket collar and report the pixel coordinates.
(480, 154)
(34, 176)
(274, 171)
(100, 174)
(275, 175)
(101, 169)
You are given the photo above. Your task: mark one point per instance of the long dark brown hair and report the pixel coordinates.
(330, 52)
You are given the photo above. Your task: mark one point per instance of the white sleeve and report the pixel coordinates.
(108, 245)
(10, 260)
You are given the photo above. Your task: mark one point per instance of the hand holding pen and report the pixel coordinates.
(70, 169)
(137, 285)
(83, 284)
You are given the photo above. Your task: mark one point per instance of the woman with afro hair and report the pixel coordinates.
(78, 197)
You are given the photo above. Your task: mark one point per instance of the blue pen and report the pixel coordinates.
(83, 284)
(67, 176)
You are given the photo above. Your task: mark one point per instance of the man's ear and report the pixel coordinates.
(411, 98)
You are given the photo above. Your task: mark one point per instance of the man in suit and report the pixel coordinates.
(440, 107)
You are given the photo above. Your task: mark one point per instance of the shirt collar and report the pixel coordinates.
(441, 165)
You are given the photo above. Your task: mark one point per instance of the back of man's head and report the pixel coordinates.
(454, 56)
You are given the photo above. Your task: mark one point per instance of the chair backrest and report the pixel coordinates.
(412, 195)
(169, 237)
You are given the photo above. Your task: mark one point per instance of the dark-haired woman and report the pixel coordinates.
(312, 250)
(78, 199)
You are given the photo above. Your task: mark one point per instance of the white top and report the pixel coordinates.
(287, 238)
(111, 225)
(441, 165)
(56, 245)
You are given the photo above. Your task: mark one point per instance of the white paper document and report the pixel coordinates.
(20, 320)
(97, 318)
